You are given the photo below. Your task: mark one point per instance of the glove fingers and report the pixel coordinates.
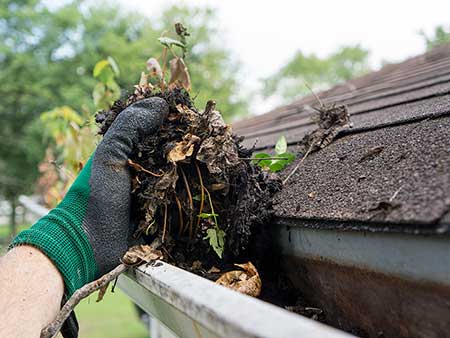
(107, 221)
(141, 118)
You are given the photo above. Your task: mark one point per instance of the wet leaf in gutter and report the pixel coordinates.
(141, 254)
(247, 281)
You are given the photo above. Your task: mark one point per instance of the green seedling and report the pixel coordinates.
(278, 162)
(215, 235)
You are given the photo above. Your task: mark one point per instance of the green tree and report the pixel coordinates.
(440, 36)
(29, 39)
(319, 73)
(47, 57)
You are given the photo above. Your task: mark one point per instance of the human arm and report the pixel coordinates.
(31, 290)
(88, 232)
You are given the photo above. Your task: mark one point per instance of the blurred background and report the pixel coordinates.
(62, 61)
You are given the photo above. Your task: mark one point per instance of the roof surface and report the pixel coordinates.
(391, 168)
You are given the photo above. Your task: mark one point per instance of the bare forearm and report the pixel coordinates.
(31, 289)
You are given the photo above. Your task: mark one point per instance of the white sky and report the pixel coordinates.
(388, 28)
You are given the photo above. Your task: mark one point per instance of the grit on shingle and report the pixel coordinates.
(396, 174)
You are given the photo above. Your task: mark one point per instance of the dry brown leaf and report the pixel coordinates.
(154, 68)
(179, 74)
(218, 151)
(196, 265)
(188, 115)
(247, 282)
(141, 253)
(183, 148)
(214, 270)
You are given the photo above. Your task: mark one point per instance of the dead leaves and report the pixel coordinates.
(247, 281)
(179, 74)
(218, 151)
(154, 68)
(183, 149)
(141, 254)
(135, 255)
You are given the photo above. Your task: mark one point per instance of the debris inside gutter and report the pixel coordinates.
(201, 202)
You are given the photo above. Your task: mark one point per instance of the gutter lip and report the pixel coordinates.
(211, 308)
(423, 229)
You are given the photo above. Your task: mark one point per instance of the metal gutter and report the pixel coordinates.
(414, 257)
(193, 307)
(382, 284)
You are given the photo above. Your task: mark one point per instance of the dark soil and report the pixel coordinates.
(166, 206)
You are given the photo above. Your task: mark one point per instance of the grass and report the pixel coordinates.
(5, 235)
(113, 317)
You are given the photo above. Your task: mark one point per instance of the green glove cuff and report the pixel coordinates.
(61, 237)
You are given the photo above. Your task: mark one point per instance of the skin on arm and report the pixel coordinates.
(31, 290)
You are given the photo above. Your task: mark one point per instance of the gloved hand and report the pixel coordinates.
(89, 231)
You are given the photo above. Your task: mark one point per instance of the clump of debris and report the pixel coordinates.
(195, 191)
(198, 197)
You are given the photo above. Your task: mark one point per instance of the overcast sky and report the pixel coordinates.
(388, 28)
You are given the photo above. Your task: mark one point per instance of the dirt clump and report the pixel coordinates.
(196, 195)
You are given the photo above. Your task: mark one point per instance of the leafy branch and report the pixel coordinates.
(107, 90)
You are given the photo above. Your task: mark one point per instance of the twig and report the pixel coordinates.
(202, 199)
(164, 60)
(262, 158)
(212, 207)
(315, 95)
(138, 167)
(163, 237)
(54, 327)
(191, 202)
(395, 194)
(297, 166)
(180, 215)
(148, 228)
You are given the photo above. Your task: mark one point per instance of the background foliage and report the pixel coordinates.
(47, 57)
(319, 73)
(440, 35)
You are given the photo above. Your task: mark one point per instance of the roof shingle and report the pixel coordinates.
(401, 114)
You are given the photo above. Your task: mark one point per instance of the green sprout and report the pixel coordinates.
(278, 162)
(215, 235)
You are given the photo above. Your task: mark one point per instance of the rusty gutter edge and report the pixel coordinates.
(430, 229)
(192, 307)
(422, 258)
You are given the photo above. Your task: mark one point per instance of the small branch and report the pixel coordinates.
(297, 166)
(191, 202)
(54, 327)
(261, 159)
(211, 205)
(202, 199)
(149, 227)
(138, 167)
(180, 215)
(395, 194)
(315, 95)
(163, 237)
